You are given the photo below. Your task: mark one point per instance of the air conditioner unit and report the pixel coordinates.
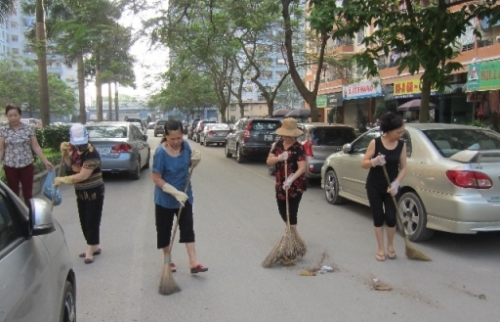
(498, 39)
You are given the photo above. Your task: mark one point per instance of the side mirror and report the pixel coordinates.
(347, 148)
(41, 220)
(145, 137)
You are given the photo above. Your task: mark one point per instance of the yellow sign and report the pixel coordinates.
(409, 88)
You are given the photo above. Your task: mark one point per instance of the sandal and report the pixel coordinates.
(380, 257)
(97, 252)
(173, 268)
(198, 269)
(89, 260)
(391, 255)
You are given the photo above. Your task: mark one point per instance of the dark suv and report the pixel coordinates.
(321, 140)
(191, 127)
(251, 137)
(159, 127)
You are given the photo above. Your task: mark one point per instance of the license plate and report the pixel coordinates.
(268, 138)
(103, 150)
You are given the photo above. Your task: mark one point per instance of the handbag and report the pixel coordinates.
(49, 191)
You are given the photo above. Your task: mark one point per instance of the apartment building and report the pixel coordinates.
(473, 91)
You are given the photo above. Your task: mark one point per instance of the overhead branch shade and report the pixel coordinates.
(413, 105)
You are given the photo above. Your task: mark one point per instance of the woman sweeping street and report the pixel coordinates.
(171, 165)
(84, 163)
(17, 144)
(290, 182)
(390, 151)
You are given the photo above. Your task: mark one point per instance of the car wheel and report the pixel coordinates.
(136, 175)
(331, 187)
(205, 142)
(155, 134)
(68, 305)
(199, 140)
(226, 152)
(146, 166)
(413, 217)
(239, 157)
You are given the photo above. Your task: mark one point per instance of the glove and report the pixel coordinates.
(195, 158)
(288, 182)
(393, 189)
(63, 180)
(64, 148)
(283, 156)
(180, 196)
(378, 160)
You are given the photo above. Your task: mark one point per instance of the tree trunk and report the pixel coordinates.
(117, 116)
(41, 53)
(98, 89)
(242, 109)
(81, 88)
(425, 99)
(110, 103)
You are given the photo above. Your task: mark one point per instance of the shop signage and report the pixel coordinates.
(484, 76)
(334, 100)
(365, 89)
(409, 89)
(321, 101)
(475, 97)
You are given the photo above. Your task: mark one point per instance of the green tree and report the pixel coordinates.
(425, 33)
(6, 8)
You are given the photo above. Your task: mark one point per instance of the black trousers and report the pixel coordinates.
(380, 201)
(293, 207)
(89, 203)
(165, 222)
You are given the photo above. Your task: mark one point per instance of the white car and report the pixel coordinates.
(37, 278)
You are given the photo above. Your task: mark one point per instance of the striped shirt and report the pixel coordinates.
(89, 159)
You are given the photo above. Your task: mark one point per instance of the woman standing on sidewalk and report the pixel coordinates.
(288, 148)
(171, 163)
(85, 168)
(17, 144)
(388, 150)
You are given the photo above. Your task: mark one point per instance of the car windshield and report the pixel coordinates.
(107, 132)
(218, 126)
(332, 136)
(450, 141)
(138, 124)
(264, 125)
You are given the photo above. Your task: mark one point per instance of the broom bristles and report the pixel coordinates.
(413, 253)
(288, 249)
(167, 283)
(274, 256)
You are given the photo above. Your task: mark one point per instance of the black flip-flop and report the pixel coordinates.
(97, 252)
(199, 269)
(89, 260)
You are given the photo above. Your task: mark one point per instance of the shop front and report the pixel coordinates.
(334, 102)
(483, 88)
(359, 102)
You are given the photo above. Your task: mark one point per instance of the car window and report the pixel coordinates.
(450, 141)
(161, 123)
(406, 138)
(362, 142)
(265, 125)
(219, 126)
(136, 133)
(107, 132)
(332, 136)
(8, 231)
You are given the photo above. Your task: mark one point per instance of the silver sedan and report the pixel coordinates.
(122, 147)
(452, 181)
(214, 133)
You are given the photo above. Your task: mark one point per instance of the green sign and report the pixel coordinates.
(321, 101)
(483, 76)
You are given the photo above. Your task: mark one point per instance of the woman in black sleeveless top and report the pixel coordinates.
(388, 150)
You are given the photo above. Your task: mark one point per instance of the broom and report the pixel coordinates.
(290, 247)
(410, 251)
(167, 283)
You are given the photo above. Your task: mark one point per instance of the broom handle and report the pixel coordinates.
(179, 212)
(286, 194)
(398, 220)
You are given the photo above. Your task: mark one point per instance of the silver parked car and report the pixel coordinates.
(214, 133)
(37, 277)
(452, 181)
(122, 147)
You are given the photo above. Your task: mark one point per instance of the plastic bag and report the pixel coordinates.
(49, 191)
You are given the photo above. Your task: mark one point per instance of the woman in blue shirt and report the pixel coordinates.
(171, 164)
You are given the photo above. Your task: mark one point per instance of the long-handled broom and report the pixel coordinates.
(290, 247)
(410, 251)
(167, 283)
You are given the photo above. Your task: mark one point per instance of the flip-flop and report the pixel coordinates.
(391, 255)
(198, 269)
(173, 268)
(379, 257)
(88, 260)
(97, 252)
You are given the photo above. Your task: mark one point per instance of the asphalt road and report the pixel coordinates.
(236, 224)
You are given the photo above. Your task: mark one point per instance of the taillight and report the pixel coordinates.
(308, 148)
(211, 133)
(121, 148)
(246, 134)
(469, 179)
